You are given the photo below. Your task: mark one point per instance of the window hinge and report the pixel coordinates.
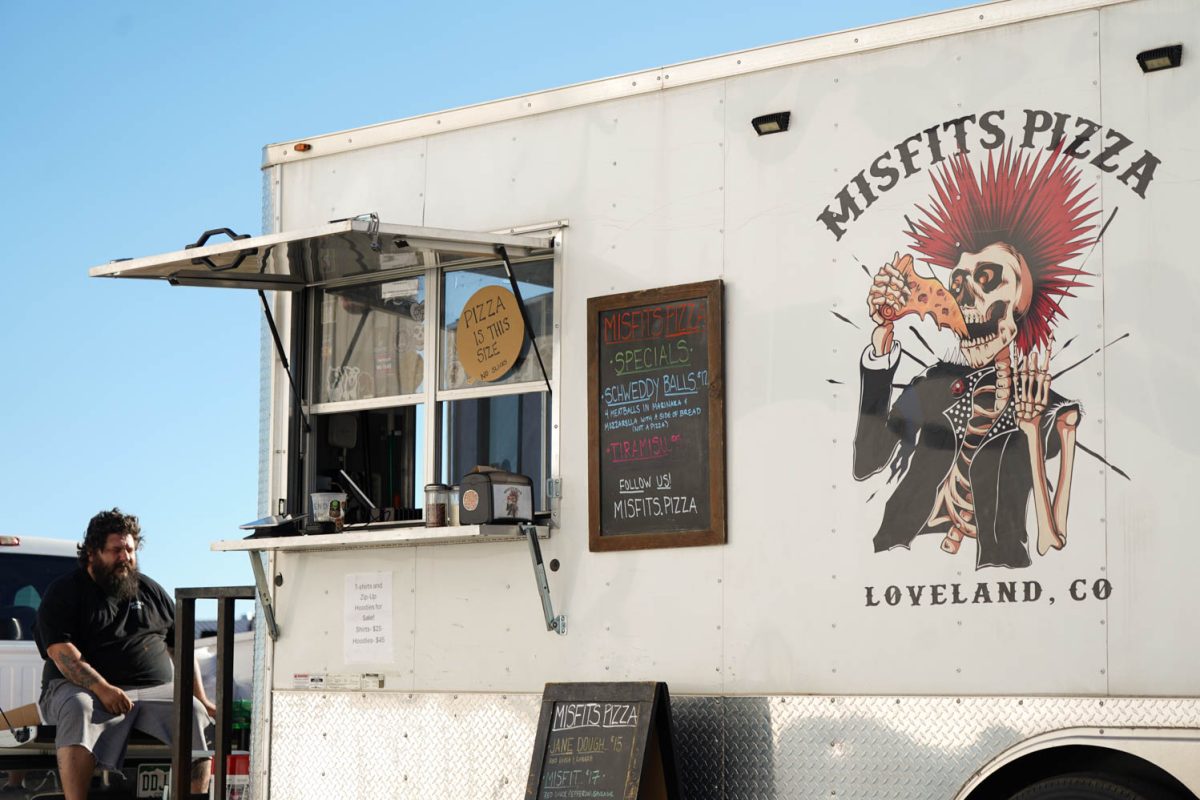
(554, 488)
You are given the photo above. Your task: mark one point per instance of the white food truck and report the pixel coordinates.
(846, 374)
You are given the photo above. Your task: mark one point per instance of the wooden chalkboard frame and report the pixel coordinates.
(715, 532)
(653, 755)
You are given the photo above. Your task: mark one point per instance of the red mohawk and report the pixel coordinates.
(1032, 207)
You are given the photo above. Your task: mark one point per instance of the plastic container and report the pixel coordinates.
(452, 507)
(329, 507)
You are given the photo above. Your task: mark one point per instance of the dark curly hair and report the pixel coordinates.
(102, 526)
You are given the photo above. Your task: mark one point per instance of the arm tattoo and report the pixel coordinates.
(76, 670)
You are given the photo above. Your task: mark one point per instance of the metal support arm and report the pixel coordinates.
(264, 593)
(553, 623)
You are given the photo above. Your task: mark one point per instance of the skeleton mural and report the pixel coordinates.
(970, 438)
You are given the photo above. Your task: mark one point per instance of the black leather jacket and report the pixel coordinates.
(920, 435)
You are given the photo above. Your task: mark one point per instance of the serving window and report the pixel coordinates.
(421, 377)
(410, 359)
(370, 341)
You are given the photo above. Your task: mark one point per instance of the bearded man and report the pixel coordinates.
(106, 632)
(970, 437)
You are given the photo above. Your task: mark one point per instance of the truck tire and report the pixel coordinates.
(1079, 787)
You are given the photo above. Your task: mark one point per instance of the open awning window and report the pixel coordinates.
(339, 253)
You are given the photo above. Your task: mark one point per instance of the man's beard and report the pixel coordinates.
(123, 586)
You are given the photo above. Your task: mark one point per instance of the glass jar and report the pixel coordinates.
(437, 496)
(452, 509)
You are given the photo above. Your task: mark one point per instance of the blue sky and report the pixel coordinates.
(129, 127)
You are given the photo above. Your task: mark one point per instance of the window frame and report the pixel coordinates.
(301, 464)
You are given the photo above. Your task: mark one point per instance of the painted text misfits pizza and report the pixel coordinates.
(1106, 149)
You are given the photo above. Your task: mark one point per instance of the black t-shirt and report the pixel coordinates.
(125, 641)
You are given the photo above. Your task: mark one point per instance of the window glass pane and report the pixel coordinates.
(382, 451)
(370, 340)
(509, 432)
(23, 582)
(536, 281)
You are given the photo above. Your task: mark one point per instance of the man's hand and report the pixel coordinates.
(209, 706)
(114, 700)
(71, 665)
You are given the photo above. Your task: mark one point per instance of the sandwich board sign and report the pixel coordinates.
(604, 740)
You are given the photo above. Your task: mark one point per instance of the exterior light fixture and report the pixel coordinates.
(771, 123)
(1160, 58)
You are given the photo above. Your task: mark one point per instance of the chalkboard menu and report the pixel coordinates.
(597, 741)
(656, 418)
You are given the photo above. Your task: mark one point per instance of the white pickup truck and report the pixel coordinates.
(27, 566)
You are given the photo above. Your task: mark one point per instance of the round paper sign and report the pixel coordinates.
(490, 334)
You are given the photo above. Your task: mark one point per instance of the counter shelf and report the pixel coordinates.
(381, 537)
(413, 536)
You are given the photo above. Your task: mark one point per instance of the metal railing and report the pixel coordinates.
(185, 675)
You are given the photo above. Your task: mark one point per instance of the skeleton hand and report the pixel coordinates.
(890, 290)
(1032, 391)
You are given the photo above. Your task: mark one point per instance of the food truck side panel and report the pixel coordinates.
(640, 181)
(613, 169)
(389, 180)
(674, 187)
(794, 390)
(1150, 389)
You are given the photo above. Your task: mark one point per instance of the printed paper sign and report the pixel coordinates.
(368, 618)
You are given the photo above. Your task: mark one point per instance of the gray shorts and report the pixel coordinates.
(82, 720)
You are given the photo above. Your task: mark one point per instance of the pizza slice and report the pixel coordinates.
(926, 298)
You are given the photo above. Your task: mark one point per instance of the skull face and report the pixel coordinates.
(987, 287)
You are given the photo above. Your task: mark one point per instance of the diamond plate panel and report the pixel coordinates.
(699, 742)
(908, 748)
(258, 745)
(387, 745)
(391, 745)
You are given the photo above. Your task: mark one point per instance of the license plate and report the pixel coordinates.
(152, 780)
